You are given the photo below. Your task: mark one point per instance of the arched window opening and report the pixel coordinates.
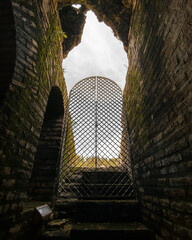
(42, 184)
(96, 160)
(7, 46)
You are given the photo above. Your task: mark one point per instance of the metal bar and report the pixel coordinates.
(96, 162)
(96, 120)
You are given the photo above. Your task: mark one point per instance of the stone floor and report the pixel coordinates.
(97, 220)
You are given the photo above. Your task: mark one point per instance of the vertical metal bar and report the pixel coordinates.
(96, 133)
(93, 144)
(96, 119)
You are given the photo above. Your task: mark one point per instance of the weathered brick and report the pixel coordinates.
(165, 234)
(14, 230)
(166, 114)
(8, 183)
(183, 232)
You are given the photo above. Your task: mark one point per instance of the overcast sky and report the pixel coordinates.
(98, 54)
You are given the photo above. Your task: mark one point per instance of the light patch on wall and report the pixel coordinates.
(98, 54)
(76, 6)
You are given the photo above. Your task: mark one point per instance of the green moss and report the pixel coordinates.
(134, 105)
(139, 26)
(21, 104)
(48, 52)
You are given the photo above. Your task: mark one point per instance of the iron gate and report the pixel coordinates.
(96, 160)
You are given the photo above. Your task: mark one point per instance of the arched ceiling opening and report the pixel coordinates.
(114, 13)
(98, 54)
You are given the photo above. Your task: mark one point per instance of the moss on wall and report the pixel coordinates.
(133, 99)
(49, 47)
(157, 94)
(38, 67)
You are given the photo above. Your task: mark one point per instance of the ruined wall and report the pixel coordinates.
(114, 13)
(72, 22)
(158, 96)
(37, 69)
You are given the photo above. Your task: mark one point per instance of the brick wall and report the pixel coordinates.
(37, 69)
(7, 46)
(158, 96)
(44, 179)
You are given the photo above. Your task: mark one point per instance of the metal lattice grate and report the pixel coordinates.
(96, 160)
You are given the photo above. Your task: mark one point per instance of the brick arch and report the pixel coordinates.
(7, 46)
(42, 185)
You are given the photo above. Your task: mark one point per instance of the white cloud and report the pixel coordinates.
(98, 54)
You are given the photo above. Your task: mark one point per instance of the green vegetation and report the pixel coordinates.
(89, 162)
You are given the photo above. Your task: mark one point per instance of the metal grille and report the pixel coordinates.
(96, 160)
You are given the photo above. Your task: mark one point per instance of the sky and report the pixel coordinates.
(100, 53)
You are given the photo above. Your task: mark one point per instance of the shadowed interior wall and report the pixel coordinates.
(158, 96)
(7, 46)
(45, 171)
(38, 67)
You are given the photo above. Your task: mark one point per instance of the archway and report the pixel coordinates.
(42, 184)
(7, 46)
(96, 161)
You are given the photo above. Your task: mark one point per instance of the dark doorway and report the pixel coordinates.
(42, 184)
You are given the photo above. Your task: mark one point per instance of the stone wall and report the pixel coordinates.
(37, 69)
(44, 178)
(158, 96)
